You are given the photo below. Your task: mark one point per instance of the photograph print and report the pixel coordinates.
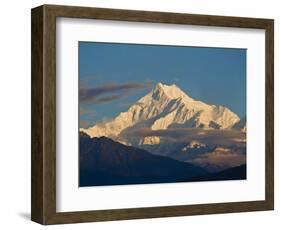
(161, 114)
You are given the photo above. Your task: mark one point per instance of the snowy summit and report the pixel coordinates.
(164, 107)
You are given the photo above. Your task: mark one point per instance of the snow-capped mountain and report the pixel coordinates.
(166, 106)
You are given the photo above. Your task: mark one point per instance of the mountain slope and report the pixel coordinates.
(234, 173)
(105, 162)
(163, 108)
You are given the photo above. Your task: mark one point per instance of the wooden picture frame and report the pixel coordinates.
(43, 208)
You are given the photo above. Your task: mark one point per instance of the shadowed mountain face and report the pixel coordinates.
(106, 162)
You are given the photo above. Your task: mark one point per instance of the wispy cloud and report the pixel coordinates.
(84, 123)
(108, 92)
(87, 112)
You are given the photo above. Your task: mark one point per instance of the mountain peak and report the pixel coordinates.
(171, 91)
(164, 107)
(160, 85)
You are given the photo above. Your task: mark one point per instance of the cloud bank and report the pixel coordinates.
(209, 137)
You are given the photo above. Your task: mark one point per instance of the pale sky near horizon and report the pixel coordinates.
(117, 75)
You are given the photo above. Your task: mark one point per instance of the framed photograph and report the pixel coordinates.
(141, 114)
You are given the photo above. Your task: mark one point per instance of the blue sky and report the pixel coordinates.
(119, 74)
